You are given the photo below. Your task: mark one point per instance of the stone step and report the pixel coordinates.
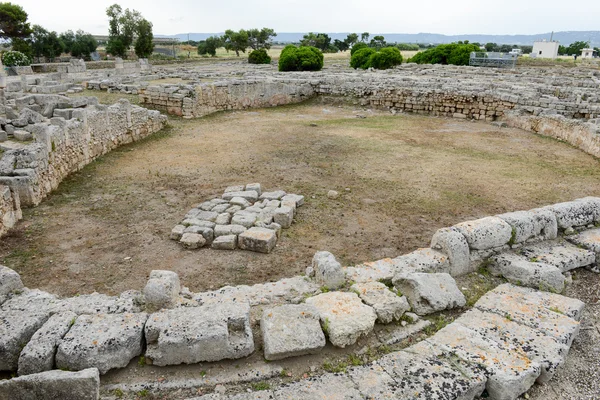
(82, 385)
(519, 270)
(561, 254)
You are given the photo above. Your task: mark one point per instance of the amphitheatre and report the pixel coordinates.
(441, 226)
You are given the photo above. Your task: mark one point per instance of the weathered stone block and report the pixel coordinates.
(10, 282)
(291, 330)
(197, 334)
(16, 329)
(249, 195)
(254, 187)
(276, 195)
(261, 240)
(333, 386)
(453, 244)
(227, 242)
(177, 232)
(328, 271)
(485, 233)
(429, 293)
(192, 240)
(283, 216)
(520, 271)
(387, 305)
(162, 290)
(562, 255)
(52, 385)
(580, 212)
(535, 224)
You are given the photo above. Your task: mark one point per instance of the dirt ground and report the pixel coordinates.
(400, 178)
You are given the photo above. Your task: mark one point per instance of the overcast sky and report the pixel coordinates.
(384, 16)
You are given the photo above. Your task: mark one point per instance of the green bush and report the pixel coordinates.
(305, 58)
(358, 46)
(259, 56)
(453, 53)
(362, 58)
(386, 58)
(15, 59)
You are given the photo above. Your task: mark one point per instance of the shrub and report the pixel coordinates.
(453, 53)
(259, 56)
(362, 58)
(358, 46)
(15, 59)
(305, 58)
(386, 58)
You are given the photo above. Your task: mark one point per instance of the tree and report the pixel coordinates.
(364, 37)
(491, 47)
(235, 41)
(259, 56)
(361, 58)
(378, 42)
(321, 41)
(305, 58)
(358, 46)
(576, 47)
(386, 58)
(83, 44)
(143, 44)
(209, 46)
(260, 39)
(45, 44)
(342, 45)
(351, 39)
(13, 22)
(67, 38)
(122, 28)
(453, 53)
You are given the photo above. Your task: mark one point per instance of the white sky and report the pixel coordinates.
(388, 16)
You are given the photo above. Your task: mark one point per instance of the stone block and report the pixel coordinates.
(422, 260)
(238, 201)
(199, 334)
(587, 239)
(162, 290)
(562, 255)
(261, 240)
(328, 271)
(328, 386)
(22, 136)
(209, 216)
(207, 233)
(429, 293)
(223, 219)
(198, 222)
(581, 212)
(249, 195)
(344, 317)
(291, 330)
(276, 195)
(387, 305)
(192, 240)
(227, 242)
(103, 341)
(518, 270)
(380, 270)
(453, 244)
(177, 232)
(254, 187)
(53, 385)
(237, 188)
(535, 224)
(10, 282)
(283, 216)
(296, 198)
(226, 230)
(16, 329)
(38, 355)
(485, 233)
(245, 220)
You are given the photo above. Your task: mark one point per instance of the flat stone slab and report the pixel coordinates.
(103, 341)
(510, 372)
(227, 242)
(291, 330)
(545, 350)
(328, 386)
(344, 317)
(197, 334)
(429, 293)
(38, 355)
(485, 233)
(16, 329)
(64, 385)
(520, 271)
(393, 334)
(381, 271)
(387, 305)
(519, 305)
(562, 255)
(423, 260)
(588, 239)
(275, 195)
(261, 240)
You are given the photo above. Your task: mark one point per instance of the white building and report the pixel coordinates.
(587, 53)
(545, 49)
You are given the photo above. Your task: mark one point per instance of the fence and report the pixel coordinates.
(493, 60)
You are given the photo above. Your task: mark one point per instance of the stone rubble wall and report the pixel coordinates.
(535, 250)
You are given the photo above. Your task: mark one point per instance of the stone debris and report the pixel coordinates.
(103, 341)
(291, 330)
(162, 290)
(38, 355)
(245, 212)
(344, 317)
(429, 293)
(387, 305)
(197, 334)
(50, 385)
(328, 271)
(520, 271)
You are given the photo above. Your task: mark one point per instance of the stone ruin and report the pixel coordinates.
(514, 336)
(245, 217)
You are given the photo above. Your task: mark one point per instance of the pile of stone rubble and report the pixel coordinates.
(244, 217)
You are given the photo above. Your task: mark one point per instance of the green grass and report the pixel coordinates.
(437, 323)
(335, 366)
(260, 386)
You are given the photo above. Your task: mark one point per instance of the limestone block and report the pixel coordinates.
(518, 270)
(328, 271)
(38, 355)
(580, 212)
(276, 195)
(198, 222)
(261, 240)
(453, 244)
(103, 341)
(249, 195)
(10, 282)
(329, 386)
(344, 317)
(223, 219)
(209, 216)
(255, 187)
(485, 233)
(562, 255)
(237, 188)
(16, 329)
(387, 305)
(162, 290)
(238, 201)
(291, 330)
(296, 198)
(51, 385)
(192, 240)
(535, 224)
(207, 233)
(284, 216)
(3, 136)
(422, 260)
(429, 293)
(226, 230)
(22, 136)
(220, 208)
(245, 220)
(380, 270)
(198, 334)
(227, 242)
(177, 232)
(588, 239)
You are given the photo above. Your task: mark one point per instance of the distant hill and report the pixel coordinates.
(565, 38)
